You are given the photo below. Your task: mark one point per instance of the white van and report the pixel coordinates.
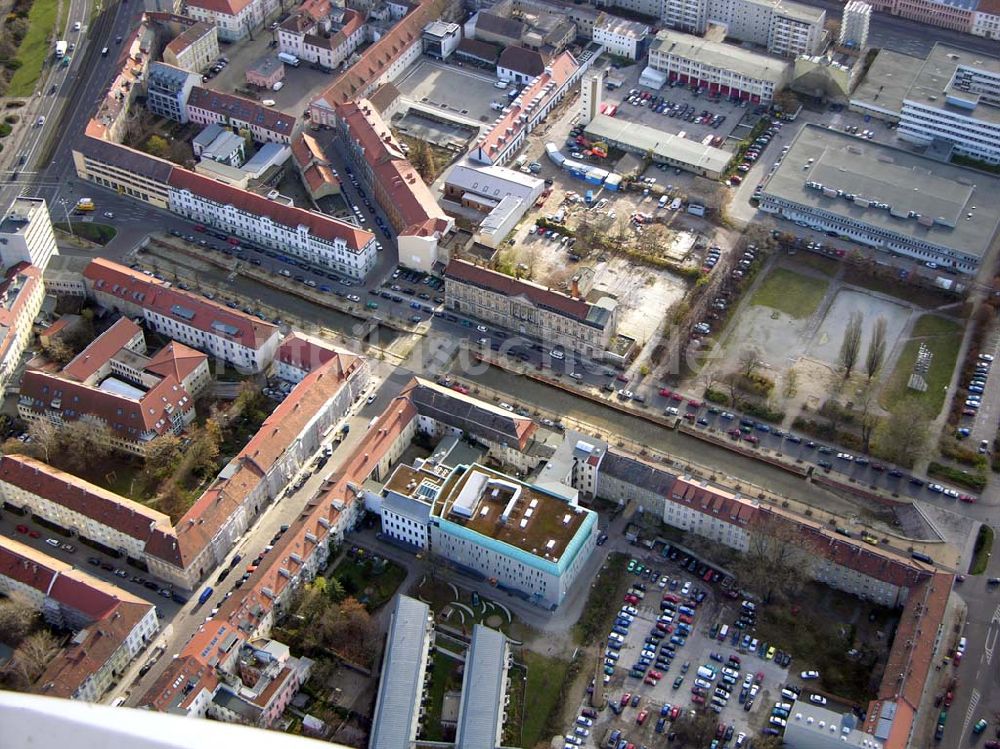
(676, 204)
(268, 102)
(706, 673)
(501, 84)
(278, 86)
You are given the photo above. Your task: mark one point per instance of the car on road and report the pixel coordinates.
(52, 542)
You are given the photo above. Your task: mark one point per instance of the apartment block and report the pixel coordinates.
(194, 49)
(531, 310)
(265, 124)
(405, 663)
(322, 33)
(233, 336)
(26, 234)
(110, 626)
(21, 295)
(167, 91)
(854, 24)
(381, 165)
(235, 19)
(482, 711)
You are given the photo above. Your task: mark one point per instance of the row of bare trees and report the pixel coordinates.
(850, 348)
(34, 646)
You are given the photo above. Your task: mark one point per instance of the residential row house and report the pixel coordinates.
(109, 626)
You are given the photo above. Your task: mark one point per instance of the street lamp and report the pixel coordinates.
(65, 206)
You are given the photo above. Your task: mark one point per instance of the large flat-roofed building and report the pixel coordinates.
(665, 148)
(401, 682)
(469, 183)
(482, 711)
(531, 309)
(519, 536)
(885, 85)
(885, 198)
(815, 727)
(955, 99)
(723, 69)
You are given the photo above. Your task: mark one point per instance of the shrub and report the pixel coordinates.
(716, 396)
(974, 481)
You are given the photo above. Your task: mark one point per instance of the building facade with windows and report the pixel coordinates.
(194, 49)
(863, 191)
(526, 308)
(313, 237)
(955, 100)
(327, 38)
(26, 234)
(621, 37)
(723, 69)
(235, 19)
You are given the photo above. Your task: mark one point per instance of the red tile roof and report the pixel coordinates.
(318, 176)
(189, 36)
(419, 212)
(320, 226)
(224, 7)
(507, 127)
(151, 413)
(101, 349)
(133, 287)
(107, 508)
(198, 526)
(241, 109)
(177, 360)
(72, 667)
(382, 54)
(466, 272)
(304, 352)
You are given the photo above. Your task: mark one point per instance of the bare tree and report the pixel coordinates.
(34, 654)
(778, 557)
(876, 348)
(851, 347)
(749, 361)
(84, 441)
(17, 619)
(45, 435)
(697, 729)
(869, 420)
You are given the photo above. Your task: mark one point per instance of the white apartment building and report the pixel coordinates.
(785, 27)
(21, 295)
(854, 24)
(955, 99)
(723, 69)
(986, 22)
(328, 41)
(313, 237)
(235, 19)
(621, 37)
(26, 234)
(233, 336)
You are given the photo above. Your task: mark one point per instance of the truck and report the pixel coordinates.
(205, 595)
(288, 59)
(61, 48)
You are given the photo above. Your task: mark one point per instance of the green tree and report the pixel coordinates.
(157, 145)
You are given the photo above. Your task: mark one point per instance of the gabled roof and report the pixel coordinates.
(176, 360)
(76, 495)
(223, 7)
(419, 212)
(304, 352)
(101, 349)
(522, 60)
(241, 109)
(189, 36)
(470, 414)
(132, 287)
(319, 225)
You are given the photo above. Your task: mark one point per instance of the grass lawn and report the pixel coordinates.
(984, 545)
(602, 603)
(943, 337)
(372, 584)
(97, 233)
(790, 292)
(444, 678)
(34, 48)
(546, 678)
(825, 265)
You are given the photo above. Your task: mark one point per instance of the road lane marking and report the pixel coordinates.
(973, 702)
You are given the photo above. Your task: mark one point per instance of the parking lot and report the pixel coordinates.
(678, 109)
(681, 643)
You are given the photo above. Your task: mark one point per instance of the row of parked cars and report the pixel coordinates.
(756, 148)
(975, 387)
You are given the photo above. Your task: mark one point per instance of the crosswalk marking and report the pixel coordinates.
(973, 702)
